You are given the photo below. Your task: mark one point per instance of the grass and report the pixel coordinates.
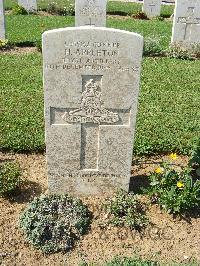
(22, 125)
(168, 117)
(28, 29)
(130, 262)
(134, 261)
(113, 7)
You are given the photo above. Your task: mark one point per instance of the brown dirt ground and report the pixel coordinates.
(169, 240)
(19, 50)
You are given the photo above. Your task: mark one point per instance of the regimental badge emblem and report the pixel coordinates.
(92, 109)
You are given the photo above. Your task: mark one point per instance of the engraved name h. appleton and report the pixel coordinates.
(91, 109)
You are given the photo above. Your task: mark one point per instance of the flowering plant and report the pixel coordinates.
(175, 191)
(3, 43)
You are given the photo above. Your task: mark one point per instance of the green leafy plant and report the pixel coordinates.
(125, 209)
(52, 8)
(3, 44)
(9, 178)
(38, 45)
(19, 10)
(181, 51)
(174, 191)
(125, 261)
(53, 222)
(194, 162)
(68, 9)
(152, 46)
(158, 18)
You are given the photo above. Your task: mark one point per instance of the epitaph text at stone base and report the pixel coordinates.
(91, 83)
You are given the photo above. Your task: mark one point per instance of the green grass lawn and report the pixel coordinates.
(168, 118)
(113, 7)
(28, 29)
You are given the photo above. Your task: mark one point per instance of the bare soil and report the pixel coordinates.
(19, 50)
(168, 240)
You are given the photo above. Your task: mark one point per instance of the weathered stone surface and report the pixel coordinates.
(186, 26)
(29, 5)
(90, 12)
(91, 84)
(152, 8)
(2, 21)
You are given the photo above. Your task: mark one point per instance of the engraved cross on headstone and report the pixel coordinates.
(92, 116)
(151, 6)
(189, 21)
(90, 13)
(90, 23)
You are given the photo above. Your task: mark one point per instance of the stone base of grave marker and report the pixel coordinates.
(91, 83)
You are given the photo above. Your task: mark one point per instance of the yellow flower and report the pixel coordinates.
(158, 170)
(180, 184)
(173, 156)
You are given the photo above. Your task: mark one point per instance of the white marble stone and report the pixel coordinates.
(2, 21)
(29, 5)
(186, 25)
(152, 8)
(90, 12)
(91, 85)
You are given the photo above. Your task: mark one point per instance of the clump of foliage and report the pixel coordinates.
(19, 10)
(181, 51)
(194, 162)
(67, 10)
(3, 44)
(140, 15)
(9, 178)
(152, 46)
(38, 45)
(52, 223)
(125, 261)
(158, 18)
(174, 191)
(125, 209)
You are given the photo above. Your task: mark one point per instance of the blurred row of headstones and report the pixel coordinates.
(186, 25)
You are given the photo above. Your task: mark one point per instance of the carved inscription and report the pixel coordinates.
(92, 109)
(91, 9)
(92, 56)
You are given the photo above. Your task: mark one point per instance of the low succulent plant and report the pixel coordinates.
(53, 223)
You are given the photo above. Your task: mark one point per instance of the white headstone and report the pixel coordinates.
(90, 13)
(2, 21)
(91, 84)
(152, 8)
(29, 5)
(186, 26)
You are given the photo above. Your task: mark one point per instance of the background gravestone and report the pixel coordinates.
(152, 8)
(2, 21)
(186, 26)
(91, 83)
(90, 12)
(29, 5)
